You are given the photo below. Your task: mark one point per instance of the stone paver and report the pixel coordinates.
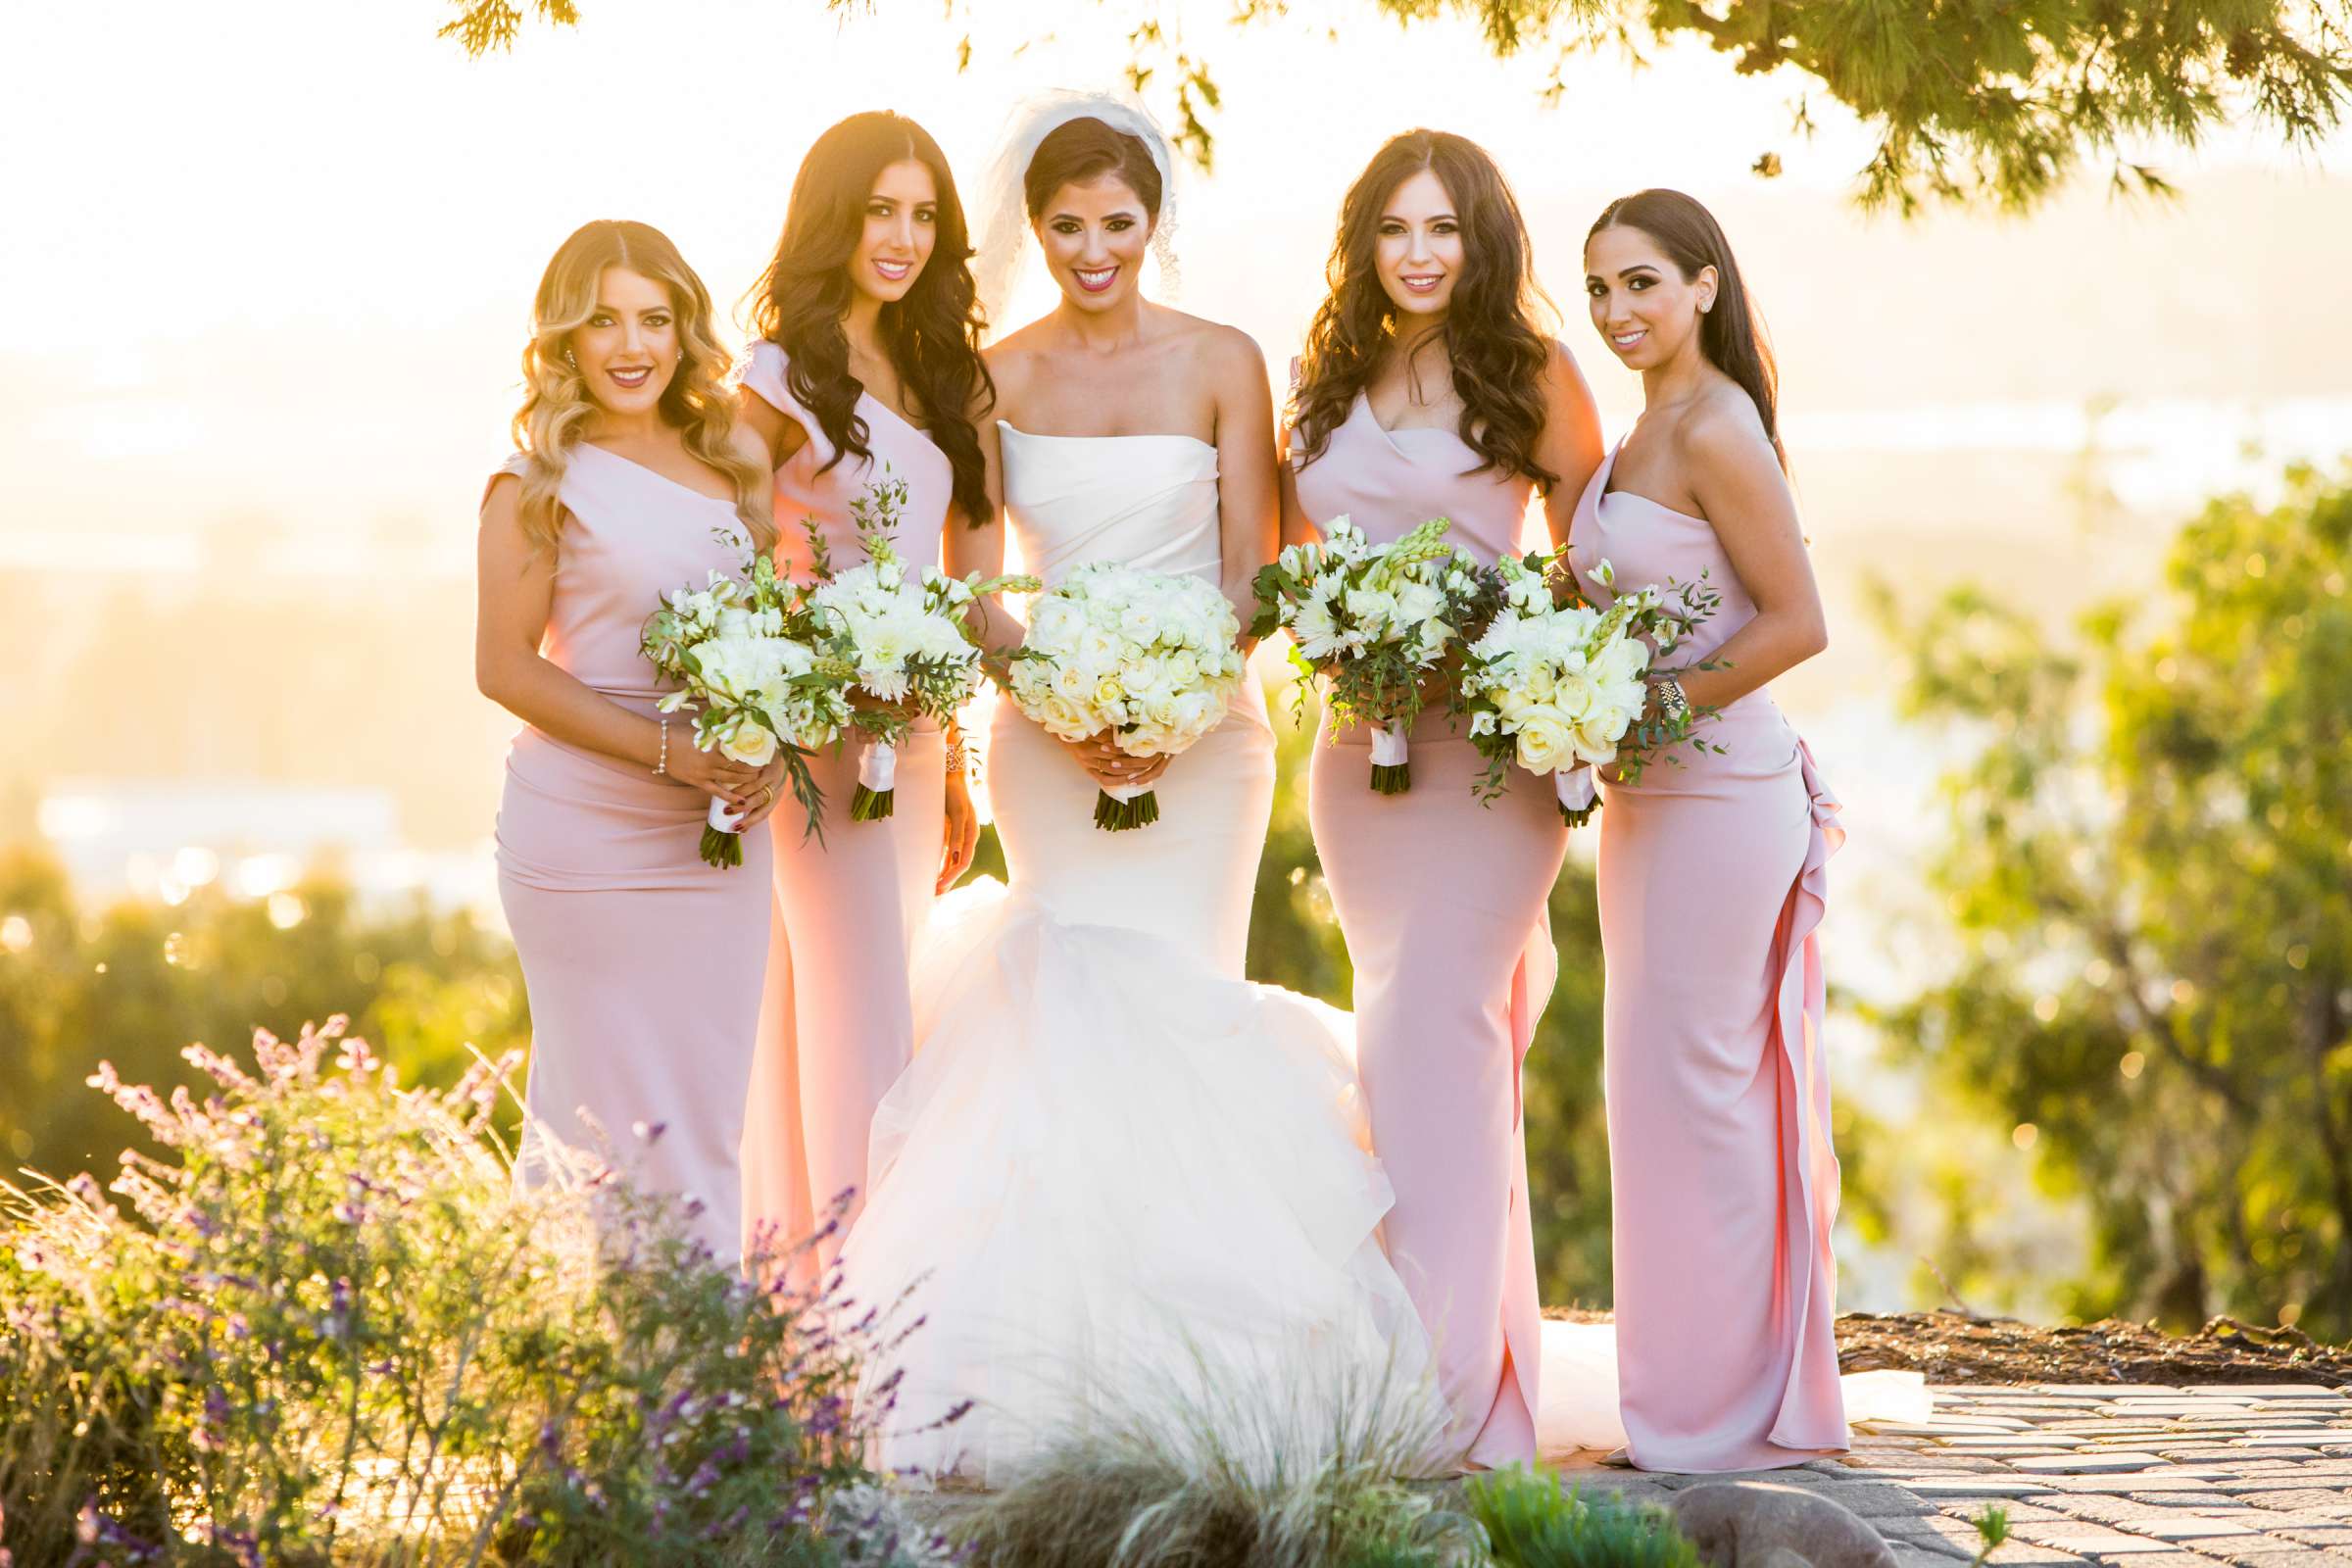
(2236, 1476)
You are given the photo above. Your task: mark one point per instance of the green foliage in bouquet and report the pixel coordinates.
(1377, 623)
(1552, 680)
(932, 670)
(748, 698)
(329, 1329)
(1532, 1523)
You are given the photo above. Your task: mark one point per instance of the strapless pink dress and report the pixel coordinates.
(1443, 902)
(643, 964)
(1712, 882)
(837, 1025)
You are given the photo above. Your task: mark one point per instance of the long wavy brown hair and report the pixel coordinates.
(557, 405)
(1495, 352)
(932, 334)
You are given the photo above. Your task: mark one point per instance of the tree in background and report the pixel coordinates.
(135, 984)
(2147, 875)
(1971, 100)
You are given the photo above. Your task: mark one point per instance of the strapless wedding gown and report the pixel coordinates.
(1118, 1181)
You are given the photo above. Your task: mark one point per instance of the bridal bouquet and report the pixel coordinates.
(745, 654)
(1378, 620)
(908, 634)
(1146, 658)
(1555, 687)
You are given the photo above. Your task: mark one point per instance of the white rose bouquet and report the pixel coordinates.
(1146, 659)
(908, 635)
(744, 653)
(1554, 687)
(1378, 620)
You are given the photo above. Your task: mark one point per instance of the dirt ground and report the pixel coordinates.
(1952, 1347)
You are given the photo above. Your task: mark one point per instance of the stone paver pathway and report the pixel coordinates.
(2251, 1475)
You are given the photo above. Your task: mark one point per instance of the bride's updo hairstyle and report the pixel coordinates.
(1497, 354)
(1086, 149)
(1732, 334)
(932, 334)
(557, 405)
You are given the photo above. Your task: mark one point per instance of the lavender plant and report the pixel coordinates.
(329, 1328)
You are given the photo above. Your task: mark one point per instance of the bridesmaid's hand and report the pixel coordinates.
(716, 774)
(1109, 768)
(860, 702)
(962, 836)
(764, 791)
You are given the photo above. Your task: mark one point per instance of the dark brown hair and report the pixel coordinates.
(1732, 334)
(1497, 354)
(1079, 150)
(932, 334)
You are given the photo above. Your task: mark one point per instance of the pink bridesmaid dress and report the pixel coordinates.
(642, 963)
(837, 1025)
(1712, 881)
(1443, 902)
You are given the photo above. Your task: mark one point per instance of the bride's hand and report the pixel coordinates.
(1112, 768)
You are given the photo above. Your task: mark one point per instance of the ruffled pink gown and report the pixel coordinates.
(837, 1025)
(1443, 904)
(1712, 882)
(642, 963)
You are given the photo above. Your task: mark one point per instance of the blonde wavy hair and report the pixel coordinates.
(556, 403)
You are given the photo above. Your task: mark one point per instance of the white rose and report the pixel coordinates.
(1544, 741)
(749, 744)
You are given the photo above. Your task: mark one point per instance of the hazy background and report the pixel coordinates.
(267, 272)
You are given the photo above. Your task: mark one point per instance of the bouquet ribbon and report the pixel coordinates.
(1389, 773)
(1578, 794)
(877, 771)
(878, 766)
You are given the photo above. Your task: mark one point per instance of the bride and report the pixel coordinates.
(1117, 1173)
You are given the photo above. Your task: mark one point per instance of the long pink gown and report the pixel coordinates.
(1712, 881)
(642, 962)
(1443, 904)
(837, 1025)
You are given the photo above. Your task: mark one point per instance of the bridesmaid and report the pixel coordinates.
(1426, 391)
(867, 369)
(1711, 884)
(642, 962)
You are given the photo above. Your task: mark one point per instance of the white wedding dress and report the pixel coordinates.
(1119, 1182)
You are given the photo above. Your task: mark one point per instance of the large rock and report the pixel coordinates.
(1761, 1524)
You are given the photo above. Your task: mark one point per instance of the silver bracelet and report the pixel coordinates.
(661, 763)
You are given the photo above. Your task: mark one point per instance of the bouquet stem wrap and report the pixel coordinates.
(877, 774)
(1392, 773)
(722, 835)
(1579, 795)
(1122, 806)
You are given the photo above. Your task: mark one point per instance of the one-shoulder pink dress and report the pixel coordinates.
(837, 1026)
(1443, 902)
(642, 963)
(1712, 881)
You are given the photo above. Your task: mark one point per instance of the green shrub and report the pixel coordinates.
(1219, 1468)
(331, 1329)
(1532, 1523)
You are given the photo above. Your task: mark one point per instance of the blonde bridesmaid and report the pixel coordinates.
(867, 371)
(643, 964)
(1426, 391)
(1712, 880)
